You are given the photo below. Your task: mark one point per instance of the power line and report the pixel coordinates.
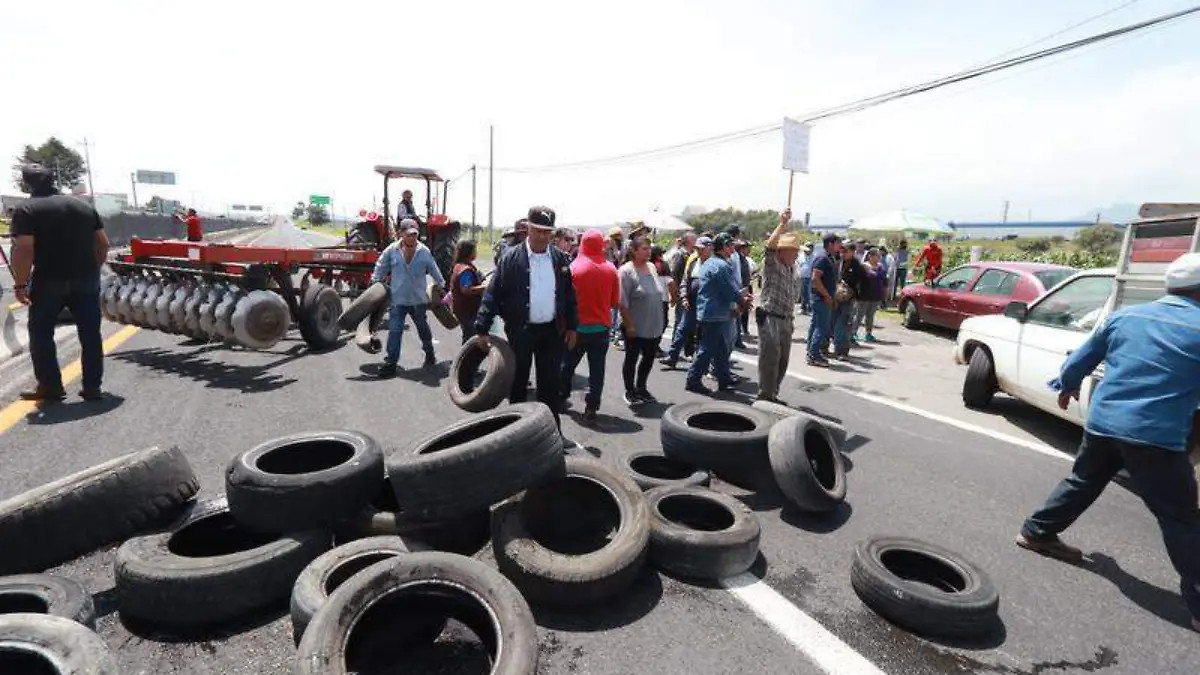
(879, 99)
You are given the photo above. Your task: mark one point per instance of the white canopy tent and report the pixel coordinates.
(664, 222)
(901, 221)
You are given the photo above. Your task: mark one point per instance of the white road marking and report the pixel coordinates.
(1035, 446)
(822, 647)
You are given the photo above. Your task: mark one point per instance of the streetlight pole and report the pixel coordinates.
(87, 163)
(474, 224)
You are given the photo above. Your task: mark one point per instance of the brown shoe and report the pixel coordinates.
(42, 394)
(1051, 548)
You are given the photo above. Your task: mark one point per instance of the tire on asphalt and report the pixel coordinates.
(577, 541)
(434, 583)
(464, 535)
(210, 570)
(912, 315)
(783, 411)
(303, 481)
(374, 296)
(697, 533)
(979, 385)
(924, 588)
(364, 334)
(651, 469)
(497, 381)
(47, 594)
(320, 309)
(75, 515)
(37, 643)
(807, 463)
(477, 462)
(727, 438)
(332, 568)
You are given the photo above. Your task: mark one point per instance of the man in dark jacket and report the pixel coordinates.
(532, 292)
(855, 277)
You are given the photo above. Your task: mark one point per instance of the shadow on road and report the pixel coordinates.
(430, 377)
(623, 610)
(215, 374)
(820, 523)
(73, 411)
(153, 632)
(1053, 431)
(1166, 605)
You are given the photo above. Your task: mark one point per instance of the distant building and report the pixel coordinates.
(1000, 230)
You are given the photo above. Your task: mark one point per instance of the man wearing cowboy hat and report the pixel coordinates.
(533, 292)
(776, 310)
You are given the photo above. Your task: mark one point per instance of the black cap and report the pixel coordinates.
(830, 239)
(541, 216)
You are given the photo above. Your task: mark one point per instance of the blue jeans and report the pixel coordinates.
(595, 346)
(396, 329)
(47, 298)
(818, 329)
(805, 303)
(1162, 478)
(714, 350)
(842, 318)
(684, 328)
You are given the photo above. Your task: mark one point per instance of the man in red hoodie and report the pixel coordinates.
(598, 293)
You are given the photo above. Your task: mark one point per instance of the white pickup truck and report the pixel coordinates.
(1019, 351)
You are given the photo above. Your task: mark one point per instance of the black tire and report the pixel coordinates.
(364, 334)
(477, 595)
(303, 481)
(47, 594)
(696, 533)
(33, 641)
(497, 382)
(979, 385)
(333, 568)
(382, 517)
(72, 516)
(807, 463)
(924, 588)
(320, 310)
(727, 438)
(367, 302)
(783, 412)
(477, 462)
(209, 569)
(912, 315)
(578, 512)
(652, 469)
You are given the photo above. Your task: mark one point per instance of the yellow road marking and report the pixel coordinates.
(17, 411)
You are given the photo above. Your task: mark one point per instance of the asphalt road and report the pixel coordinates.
(908, 475)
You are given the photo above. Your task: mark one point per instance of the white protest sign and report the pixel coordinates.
(795, 145)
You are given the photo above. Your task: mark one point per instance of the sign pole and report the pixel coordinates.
(791, 181)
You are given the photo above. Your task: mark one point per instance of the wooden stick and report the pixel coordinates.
(791, 179)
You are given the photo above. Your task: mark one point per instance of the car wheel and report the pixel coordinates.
(979, 386)
(912, 315)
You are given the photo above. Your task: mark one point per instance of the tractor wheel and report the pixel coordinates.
(320, 310)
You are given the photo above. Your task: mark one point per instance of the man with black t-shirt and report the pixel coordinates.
(59, 246)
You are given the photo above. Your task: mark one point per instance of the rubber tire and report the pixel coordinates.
(159, 586)
(364, 305)
(792, 462)
(694, 553)
(323, 649)
(481, 467)
(912, 316)
(550, 578)
(737, 455)
(288, 502)
(309, 593)
(74, 649)
(919, 607)
(783, 412)
(63, 597)
(497, 382)
(465, 535)
(439, 311)
(317, 334)
(696, 478)
(364, 334)
(979, 385)
(80, 513)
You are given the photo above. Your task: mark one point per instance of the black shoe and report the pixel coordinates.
(727, 386)
(43, 394)
(430, 360)
(646, 396)
(669, 363)
(91, 394)
(697, 388)
(633, 399)
(589, 414)
(387, 370)
(818, 363)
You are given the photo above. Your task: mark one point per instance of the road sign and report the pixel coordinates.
(156, 177)
(795, 145)
(318, 200)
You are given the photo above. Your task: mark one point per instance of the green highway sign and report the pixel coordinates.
(318, 200)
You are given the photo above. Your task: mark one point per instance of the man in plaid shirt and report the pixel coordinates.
(777, 308)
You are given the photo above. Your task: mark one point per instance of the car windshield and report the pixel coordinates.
(1052, 278)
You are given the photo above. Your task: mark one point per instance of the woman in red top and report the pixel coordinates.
(194, 230)
(466, 288)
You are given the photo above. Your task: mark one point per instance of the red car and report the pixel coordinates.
(978, 288)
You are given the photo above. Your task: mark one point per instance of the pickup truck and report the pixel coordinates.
(1019, 351)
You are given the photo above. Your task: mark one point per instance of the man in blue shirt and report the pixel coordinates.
(714, 311)
(825, 270)
(407, 262)
(1139, 418)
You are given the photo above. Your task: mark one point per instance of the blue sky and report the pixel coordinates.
(269, 101)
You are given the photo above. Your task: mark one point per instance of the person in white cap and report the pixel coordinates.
(1141, 418)
(407, 262)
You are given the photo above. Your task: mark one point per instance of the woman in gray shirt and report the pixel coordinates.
(641, 316)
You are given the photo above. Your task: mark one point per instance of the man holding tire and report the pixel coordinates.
(533, 292)
(407, 262)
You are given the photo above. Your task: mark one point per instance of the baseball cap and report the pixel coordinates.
(615, 232)
(408, 225)
(722, 240)
(1184, 272)
(704, 242)
(541, 217)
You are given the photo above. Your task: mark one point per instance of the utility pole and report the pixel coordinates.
(491, 179)
(87, 163)
(133, 184)
(474, 224)
(1004, 218)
